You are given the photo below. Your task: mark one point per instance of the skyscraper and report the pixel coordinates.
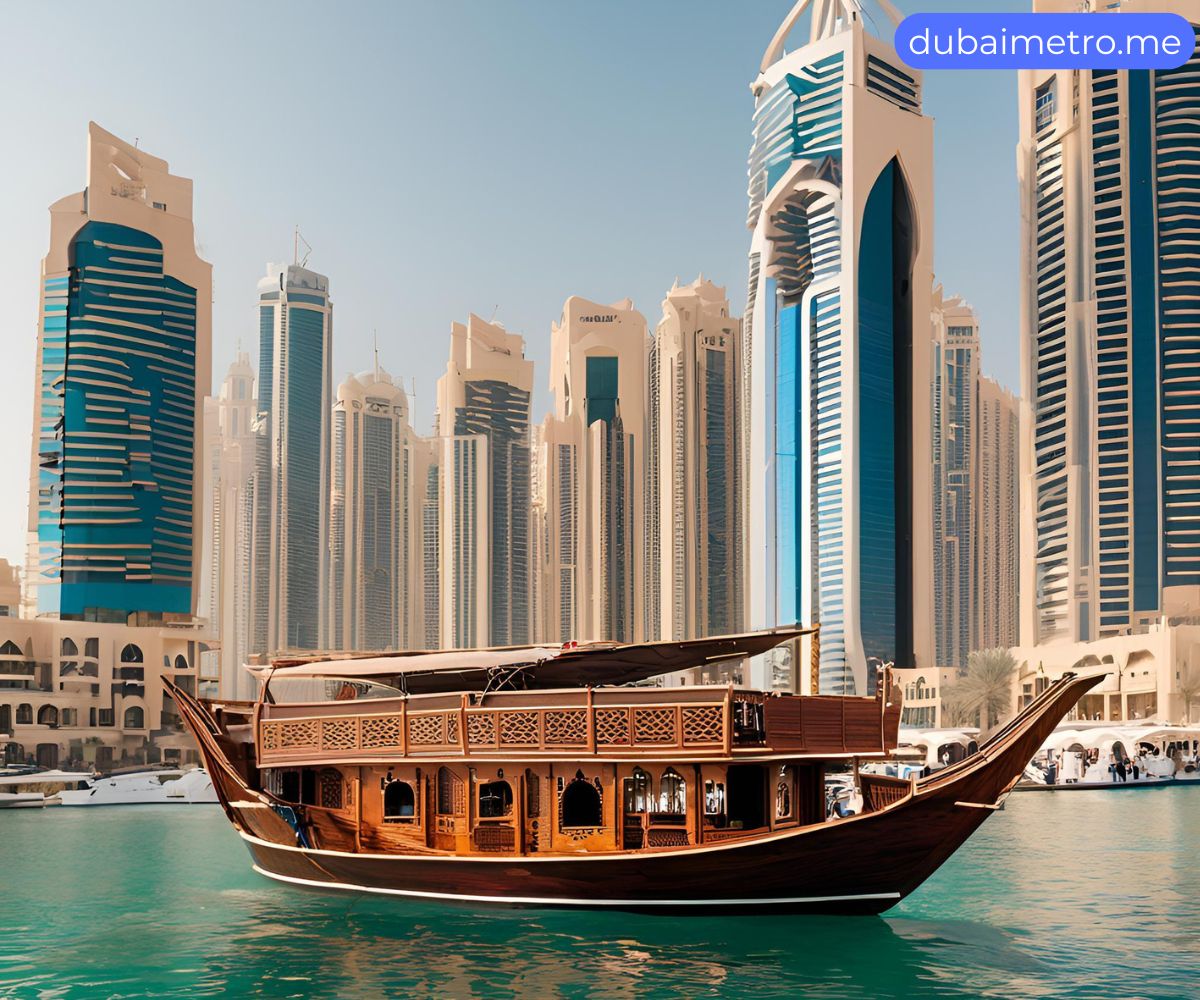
(483, 405)
(595, 473)
(1110, 449)
(836, 325)
(955, 428)
(695, 548)
(229, 456)
(291, 474)
(996, 562)
(376, 518)
(122, 370)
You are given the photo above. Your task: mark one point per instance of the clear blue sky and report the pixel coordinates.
(443, 158)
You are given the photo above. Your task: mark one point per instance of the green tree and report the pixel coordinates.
(983, 695)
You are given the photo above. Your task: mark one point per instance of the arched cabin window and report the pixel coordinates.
(580, 804)
(637, 791)
(399, 802)
(495, 799)
(714, 798)
(672, 793)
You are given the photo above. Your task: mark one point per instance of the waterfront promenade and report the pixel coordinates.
(1057, 896)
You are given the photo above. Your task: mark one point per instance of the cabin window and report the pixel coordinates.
(399, 802)
(637, 791)
(308, 787)
(714, 798)
(289, 786)
(580, 804)
(747, 796)
(783, 793)
(495, 799)
(330, 783)
(672, 793)
(450, 800)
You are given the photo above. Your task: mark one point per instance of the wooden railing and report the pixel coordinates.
(709, 722)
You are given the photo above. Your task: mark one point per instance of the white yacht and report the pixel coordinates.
(34, 789)
(190, 787)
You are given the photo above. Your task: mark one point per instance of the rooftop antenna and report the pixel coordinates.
(297, 240)
(495, 309)
(375, 335)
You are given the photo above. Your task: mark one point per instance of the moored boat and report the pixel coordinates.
(515, 778)
(163, 786)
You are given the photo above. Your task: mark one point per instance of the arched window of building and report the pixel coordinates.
(91, 647)
(495, 799)
(47, 716)
(131, 654)
(24, 715)
(399, 802)
(69, 648)
(580, 804)
(672, 793)
(637, 791)
(181, 662)
(10, 648)
(135, 717)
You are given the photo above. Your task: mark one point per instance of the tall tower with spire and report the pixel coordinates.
(836, 328)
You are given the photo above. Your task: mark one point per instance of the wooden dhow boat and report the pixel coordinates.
(538, 777)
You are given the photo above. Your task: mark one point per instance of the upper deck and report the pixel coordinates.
(576, 723)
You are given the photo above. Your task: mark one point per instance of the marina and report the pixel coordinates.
(1014, 914)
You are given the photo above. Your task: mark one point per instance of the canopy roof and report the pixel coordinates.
(528, 666)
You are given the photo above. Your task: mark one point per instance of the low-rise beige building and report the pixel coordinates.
(923, 688)
(1154, 673)
(75, 691)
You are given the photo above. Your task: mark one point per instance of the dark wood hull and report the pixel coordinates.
(864, 864)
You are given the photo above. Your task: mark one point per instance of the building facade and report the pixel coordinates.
(695, 544)
(483, 407)
(229, 455)
(123, 366)
(594, 472)
(841, 210)
(92, 692)
(996, 563)
(955, 430)
(1110, 443)
(376, 509)
(289, 577)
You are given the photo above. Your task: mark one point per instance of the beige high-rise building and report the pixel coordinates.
(955, 367)
(594, 484)
(996, 566)
(695, 548)
(376, 507)
(483, 404)
(229, 444)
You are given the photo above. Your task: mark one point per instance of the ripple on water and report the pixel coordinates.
(1076, 895)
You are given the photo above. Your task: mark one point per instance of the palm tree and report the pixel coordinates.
(984, 693)
(1189, 688)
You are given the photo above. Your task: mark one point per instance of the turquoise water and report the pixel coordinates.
(1087, 894)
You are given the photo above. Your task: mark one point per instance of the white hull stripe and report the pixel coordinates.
(557, 901)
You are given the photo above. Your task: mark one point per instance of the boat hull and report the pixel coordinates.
(860, 865)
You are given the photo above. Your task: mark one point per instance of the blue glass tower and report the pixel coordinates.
(122, 367)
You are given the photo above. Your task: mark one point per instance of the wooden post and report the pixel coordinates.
(728, 719)
(404, 728)
(358, 812)
(463, 743)
(814, 665)
(591, 722)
